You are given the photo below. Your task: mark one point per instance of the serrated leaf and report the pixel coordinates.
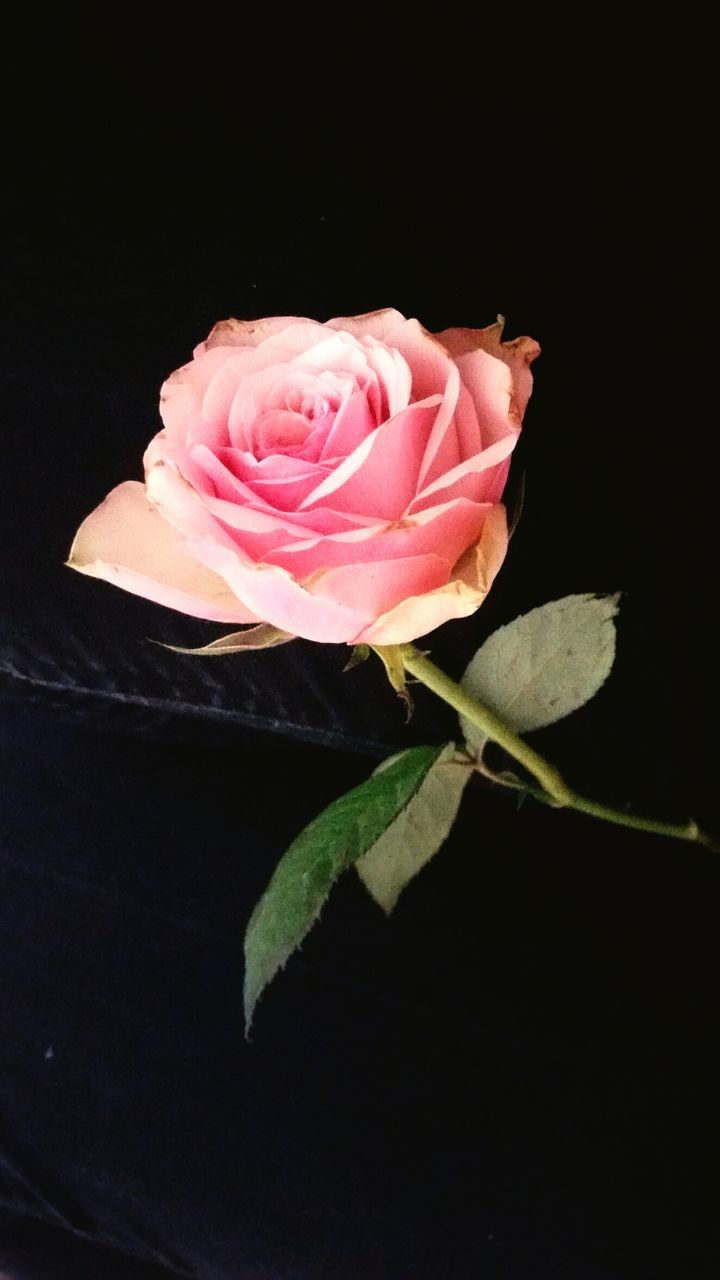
(418, 831)
(262, 636)
(307, 871)
(544, 665)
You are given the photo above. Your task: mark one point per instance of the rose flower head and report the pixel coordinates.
(339, 481)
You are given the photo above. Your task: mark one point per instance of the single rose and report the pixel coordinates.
(340, 481)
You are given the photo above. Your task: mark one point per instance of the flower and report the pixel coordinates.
(339, 481)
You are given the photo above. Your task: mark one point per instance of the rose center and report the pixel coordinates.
(280, 431)
(307, 403)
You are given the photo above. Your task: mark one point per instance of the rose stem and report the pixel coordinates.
(555, 789)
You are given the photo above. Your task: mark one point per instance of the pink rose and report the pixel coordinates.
(341, 481)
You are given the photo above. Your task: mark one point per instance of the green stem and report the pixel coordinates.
(488, 720)
(553, 787)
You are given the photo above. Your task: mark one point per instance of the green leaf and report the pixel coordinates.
(263, 636)
(544, 665)
(307, 871)
(418, 831)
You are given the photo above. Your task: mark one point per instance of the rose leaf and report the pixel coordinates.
(307, 871)
(417, 832)
(544, 665)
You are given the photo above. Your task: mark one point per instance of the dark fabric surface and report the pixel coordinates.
(512, 1077)
(517, 1075)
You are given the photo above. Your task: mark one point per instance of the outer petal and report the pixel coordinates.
(278, 599)
(248, 333)
(469, 585)
(518, 355)
(374, 588)
(127, 542)
(475, 478)
(373, 324)
(182, 395)
(271, 594)
(433, 372)
(446, 530)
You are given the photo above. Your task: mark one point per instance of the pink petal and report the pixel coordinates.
(241, 528)
(374, 588)
(446, 530)
(220, 393)
(277, 598)
(127, 542)
(219, 471)
(291, 343)
(249, 333)
(393, 375)
(433, 372)
(335, 352)
(478, 567)
(374, 324)
(461, 596)
(467, 426)
(180, 505)
(281, 482)
(474, 478)
(182, 394)
(490, 385)
(255, 393)
(353, 422)
(227, 486)
(442, 452)
(257, 533)
(517, 355)
(380, 477)
(427, 358)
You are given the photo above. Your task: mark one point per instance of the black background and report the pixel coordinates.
(556, 167)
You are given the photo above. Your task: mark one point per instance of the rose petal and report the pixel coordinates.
(374, 588)
(447, 530)
(127, 542)
(300, 339)
(182, 395)
(277, 598)
(249, 333)
(380, 477)
(469, 436)
(433, 372)
(427, 359)
(337, 353)
(480, 564)
(282, 482)
(461, 596)
(263, 390)
(518, 355)
(394, 377)
(490, 385)
(227, 486)
(269, 592)
(442, 452)
(472, 478)
(257, 533)
(353, 422)
(375, 324)
(220, 393)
